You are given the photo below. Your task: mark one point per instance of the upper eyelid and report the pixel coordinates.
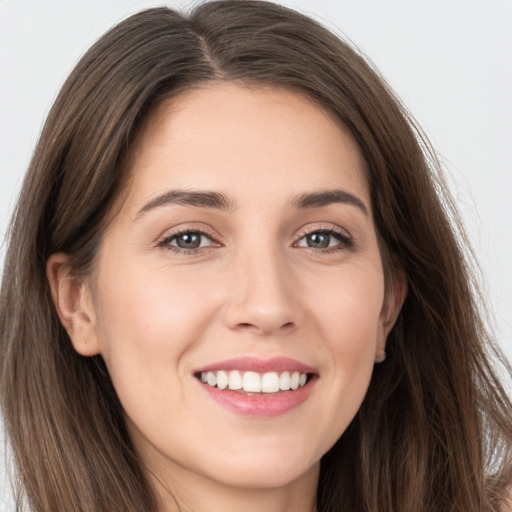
(174, 232)
(167, 245)
(345, 239)
(205, 231)
(164, 242)
(327, 228)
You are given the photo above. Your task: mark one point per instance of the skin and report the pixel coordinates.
(255, 287)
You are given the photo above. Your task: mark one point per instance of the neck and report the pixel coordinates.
(185, 492)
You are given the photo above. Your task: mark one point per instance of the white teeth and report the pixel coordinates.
(270, 382)
(235, 380)
(253, 382)
(211, 379)
(222, 380)
(295, 380)
(284, 381)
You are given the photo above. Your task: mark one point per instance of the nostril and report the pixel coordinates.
(248, 325)
(287, 327)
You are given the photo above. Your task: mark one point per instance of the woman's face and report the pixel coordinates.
(244, 254)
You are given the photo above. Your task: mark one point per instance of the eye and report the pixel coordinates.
(186, 241)
(326, 239)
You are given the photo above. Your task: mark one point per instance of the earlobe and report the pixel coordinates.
(391, 308)
(73, 302)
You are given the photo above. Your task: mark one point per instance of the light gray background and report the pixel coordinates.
(449, 60)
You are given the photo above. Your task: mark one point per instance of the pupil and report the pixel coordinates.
(189, 241)
(319, 240)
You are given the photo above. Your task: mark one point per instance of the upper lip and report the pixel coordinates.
(259, 365)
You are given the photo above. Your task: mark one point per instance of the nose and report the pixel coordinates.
(263, 295)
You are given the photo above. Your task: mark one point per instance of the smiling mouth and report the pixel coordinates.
(254, 382)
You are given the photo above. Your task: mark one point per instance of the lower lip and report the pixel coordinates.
(262, 405)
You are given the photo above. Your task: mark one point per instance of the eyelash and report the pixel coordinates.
(345, 240)
(165, 242)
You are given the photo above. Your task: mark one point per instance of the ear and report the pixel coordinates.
(393, 302)
(73, 302)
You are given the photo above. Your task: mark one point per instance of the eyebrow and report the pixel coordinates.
(201, 199)
(327, 197)
(219, 201)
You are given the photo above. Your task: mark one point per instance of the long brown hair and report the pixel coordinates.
(434, 432)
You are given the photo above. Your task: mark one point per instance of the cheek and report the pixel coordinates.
(348, 325)
(348, 310)
(148, 319)
(149, 324)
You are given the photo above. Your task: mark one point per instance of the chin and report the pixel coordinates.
(263, 477)
(264, 469)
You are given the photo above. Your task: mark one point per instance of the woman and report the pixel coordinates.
(234, 279)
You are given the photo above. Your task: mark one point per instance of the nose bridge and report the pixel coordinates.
(262, 296)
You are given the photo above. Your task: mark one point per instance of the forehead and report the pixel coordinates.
(229, 137)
